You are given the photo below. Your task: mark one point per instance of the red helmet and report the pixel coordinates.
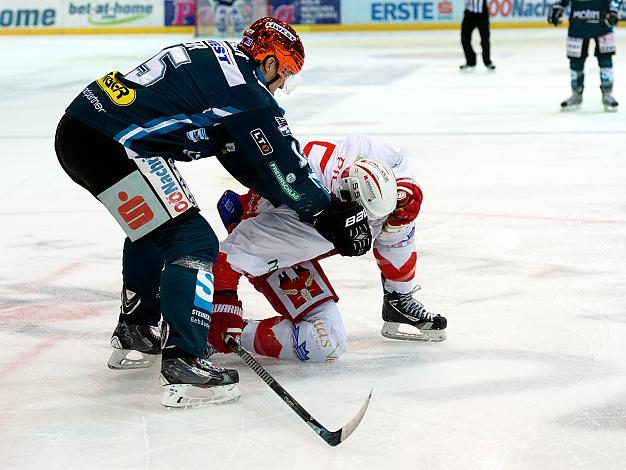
(269, 36)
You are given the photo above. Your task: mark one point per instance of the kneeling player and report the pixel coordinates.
(260, 243)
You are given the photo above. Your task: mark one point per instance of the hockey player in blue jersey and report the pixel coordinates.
(589, 19)
(119, 139)
(227, 14)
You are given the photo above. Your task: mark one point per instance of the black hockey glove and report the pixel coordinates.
(555, 14)
(344, 224)
(611, 18)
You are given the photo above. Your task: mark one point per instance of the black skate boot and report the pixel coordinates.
(609, 102)
(574, 101)
(141, 341)
(195, 381)
(135, 346)
(399, 309)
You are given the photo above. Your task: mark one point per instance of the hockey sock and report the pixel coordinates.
(186, 303)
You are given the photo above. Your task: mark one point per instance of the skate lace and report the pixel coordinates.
(413, 307)
(208, 365)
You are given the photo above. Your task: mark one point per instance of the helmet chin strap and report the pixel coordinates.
(273, 80)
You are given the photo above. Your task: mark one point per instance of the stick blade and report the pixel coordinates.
(337, 437)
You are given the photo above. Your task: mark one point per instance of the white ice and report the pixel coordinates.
(522, 243)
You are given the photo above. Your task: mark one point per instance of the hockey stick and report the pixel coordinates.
(332, 438)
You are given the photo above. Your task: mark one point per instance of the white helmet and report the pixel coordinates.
(370, 183)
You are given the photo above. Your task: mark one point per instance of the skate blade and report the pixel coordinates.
(610, 109)
(119, 359)
(391, 330)
(567, 109)
(193, 396)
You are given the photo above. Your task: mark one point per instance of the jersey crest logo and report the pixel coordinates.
(301, 289)
(119, 93)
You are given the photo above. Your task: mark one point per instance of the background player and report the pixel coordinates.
(191, 101)
(589, 19)
(261, 245)
(227, 17)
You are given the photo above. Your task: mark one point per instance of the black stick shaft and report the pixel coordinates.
(280, 391)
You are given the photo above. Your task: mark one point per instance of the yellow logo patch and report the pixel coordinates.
(119, 93)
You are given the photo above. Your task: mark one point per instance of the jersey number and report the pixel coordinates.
(153, 70)
(328, 151)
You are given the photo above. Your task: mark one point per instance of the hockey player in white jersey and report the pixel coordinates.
(279, 254)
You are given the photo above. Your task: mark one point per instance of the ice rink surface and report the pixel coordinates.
(522, 242)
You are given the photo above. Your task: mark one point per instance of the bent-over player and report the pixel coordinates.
(119, 139)
(266, 244)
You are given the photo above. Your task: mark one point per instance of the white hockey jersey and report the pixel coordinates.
(329, 158)
(271, 237)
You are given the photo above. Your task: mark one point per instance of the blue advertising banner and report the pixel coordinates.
(384, 12)
(306, 11)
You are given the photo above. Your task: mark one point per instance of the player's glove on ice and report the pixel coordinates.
(407, 207)
(226, 319)
(555, 14)
(611, 18)
(345, 225)
(233, 207)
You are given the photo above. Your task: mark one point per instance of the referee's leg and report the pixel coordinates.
(467, 26)
(483, 29)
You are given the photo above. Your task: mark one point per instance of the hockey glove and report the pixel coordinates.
(233, 207)
(611, 18)
(225, 320)
(555, 14)
(345, 225)
(408, 205)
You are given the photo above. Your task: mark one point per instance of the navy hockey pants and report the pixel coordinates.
(169, 268)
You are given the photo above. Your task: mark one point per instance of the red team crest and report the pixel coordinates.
(301, 289)
(295, 291)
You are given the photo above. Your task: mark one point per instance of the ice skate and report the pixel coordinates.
(134, 346)
(609, 102)
(490, 66)
(193, 382)
(403, 309)
(574, 101)
(467, 67)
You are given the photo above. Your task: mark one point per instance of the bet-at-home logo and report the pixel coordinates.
(110, 13)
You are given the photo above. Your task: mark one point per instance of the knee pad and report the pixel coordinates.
(320, 338)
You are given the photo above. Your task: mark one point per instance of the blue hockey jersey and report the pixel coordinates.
(202, 99)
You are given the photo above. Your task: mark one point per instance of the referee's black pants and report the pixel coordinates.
(470, 22)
